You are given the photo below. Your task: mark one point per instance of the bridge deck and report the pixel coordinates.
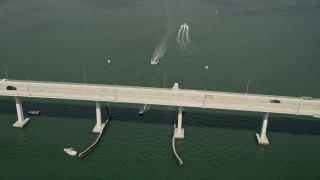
(162, 96)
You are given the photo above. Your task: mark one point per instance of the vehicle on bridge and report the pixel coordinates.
(275, 101)
(306, 98)
(11, 88)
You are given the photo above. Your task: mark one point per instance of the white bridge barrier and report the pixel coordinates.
(174, 149)
(85, 152)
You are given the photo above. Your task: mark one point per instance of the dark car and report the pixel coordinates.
(275, 101)
(306, 98)
(11, 88)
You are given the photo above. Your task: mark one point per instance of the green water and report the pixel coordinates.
(273, 43)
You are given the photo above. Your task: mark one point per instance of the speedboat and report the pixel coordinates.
(34, 112)
(70, 151)
(144, 108)
(141, 111)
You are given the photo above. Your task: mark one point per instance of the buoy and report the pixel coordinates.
(109, 61)
(206, 67)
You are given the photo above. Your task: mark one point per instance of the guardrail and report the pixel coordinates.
(90, 148)
(174, 148)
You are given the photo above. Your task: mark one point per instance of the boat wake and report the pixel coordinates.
(165, 42)
(159, 51)
(183, 36)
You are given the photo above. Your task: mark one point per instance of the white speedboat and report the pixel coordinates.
(144, 108)
(141, 111)
(34, 112)
(70, 151)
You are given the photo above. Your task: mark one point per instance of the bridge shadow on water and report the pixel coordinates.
(300, 125)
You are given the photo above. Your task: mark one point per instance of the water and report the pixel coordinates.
(275, 44)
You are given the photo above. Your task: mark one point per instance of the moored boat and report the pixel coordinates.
(141, 111)
(34, 112)
(70, 151)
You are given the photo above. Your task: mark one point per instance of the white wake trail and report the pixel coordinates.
(183, 32)
(187, 33)
(179, 33)
(158, 53)
(183, 36)
(161, 47)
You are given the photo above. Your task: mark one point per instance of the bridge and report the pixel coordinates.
(159, 96)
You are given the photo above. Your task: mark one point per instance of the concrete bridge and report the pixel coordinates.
(160, 96)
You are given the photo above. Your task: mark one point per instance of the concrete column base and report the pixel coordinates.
(262, 141)
(19, 124)
(179, 136)
(96, 129)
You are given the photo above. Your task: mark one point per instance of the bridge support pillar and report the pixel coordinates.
(99, 126)
(21, 121)
(262, 138)
(179, 132)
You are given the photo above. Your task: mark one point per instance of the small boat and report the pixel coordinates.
(70, 151)
(175, 86)
(141, 111)
(34, 112)
(144, 108)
